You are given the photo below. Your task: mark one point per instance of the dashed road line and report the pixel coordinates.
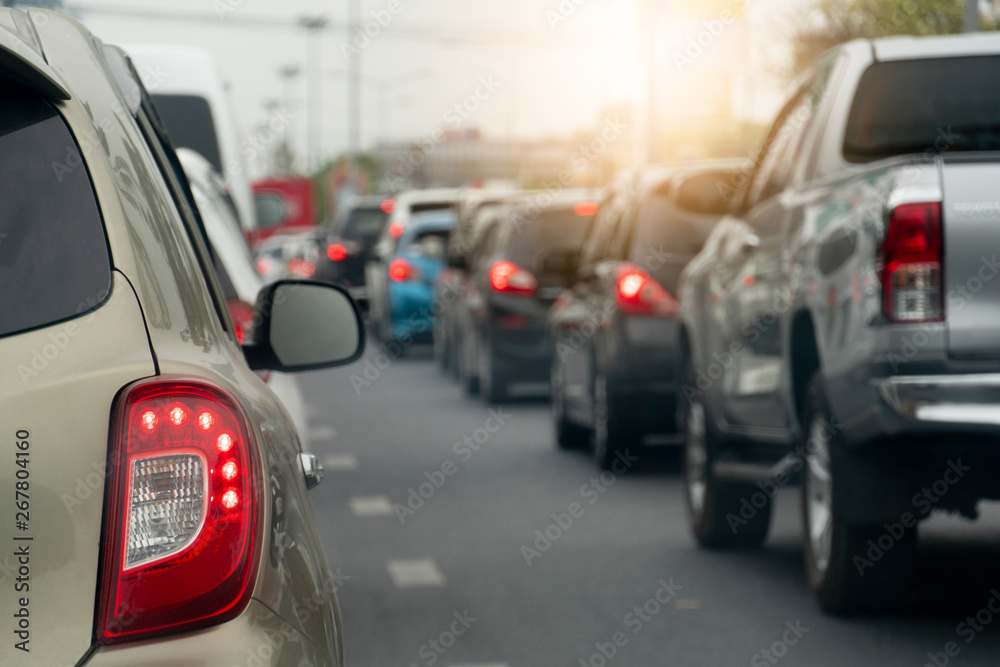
(415, 573)
(371, 506)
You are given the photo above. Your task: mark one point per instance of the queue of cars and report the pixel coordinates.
(122, 356)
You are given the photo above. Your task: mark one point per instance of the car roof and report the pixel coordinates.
(22, 59)
(938, 46)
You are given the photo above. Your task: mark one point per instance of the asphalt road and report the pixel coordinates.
(460, 577)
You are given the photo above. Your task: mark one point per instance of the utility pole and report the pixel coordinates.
(314, 26)
(973, 23)
(354, 84)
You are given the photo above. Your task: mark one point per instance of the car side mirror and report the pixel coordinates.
(303, 326)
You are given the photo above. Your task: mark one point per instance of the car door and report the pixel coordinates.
(760, 296)
(577, 315)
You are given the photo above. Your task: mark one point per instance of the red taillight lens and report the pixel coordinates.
(180, 529)
(509, 278)
(388, 206)
(307, 269)
(910, 260)
(637, 293)
(241, 313)
(264, 266)
(336, 252)
(586, 209)
(396, 230)
(401, 271)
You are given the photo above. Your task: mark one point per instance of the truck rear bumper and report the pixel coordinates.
(971, 401)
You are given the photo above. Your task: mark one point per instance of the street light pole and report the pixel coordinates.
(972, 20)
(354, 84)
(314, 25)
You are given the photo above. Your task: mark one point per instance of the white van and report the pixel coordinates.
(190, 96)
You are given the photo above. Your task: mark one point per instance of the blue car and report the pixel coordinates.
(402, 298)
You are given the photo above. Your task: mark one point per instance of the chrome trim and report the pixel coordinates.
(312, 469)
(922, 398)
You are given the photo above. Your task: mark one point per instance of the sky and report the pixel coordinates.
(553, 65)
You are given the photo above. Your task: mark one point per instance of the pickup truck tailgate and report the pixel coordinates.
(972, 257)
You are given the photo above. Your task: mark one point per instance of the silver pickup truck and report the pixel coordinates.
(841, 328)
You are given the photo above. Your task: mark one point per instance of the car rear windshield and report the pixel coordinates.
(365, 223)
(54, 261)
(941, 105)
(555, 229)
(189, 123)
(665, 227)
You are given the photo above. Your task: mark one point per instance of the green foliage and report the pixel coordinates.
(827, 23)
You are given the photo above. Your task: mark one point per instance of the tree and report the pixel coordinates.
(827, 23)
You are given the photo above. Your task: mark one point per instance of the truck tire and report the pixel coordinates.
(838, 569)
(723, 514)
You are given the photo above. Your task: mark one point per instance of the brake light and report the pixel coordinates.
(401, 271)
(638, 293)
(586, 209)
(910, 264)
(307, 269)
(264, 266)
(336, 252)
(241, 313)
(509, 278)
(396, 229)
(181, 539)
(388, 206)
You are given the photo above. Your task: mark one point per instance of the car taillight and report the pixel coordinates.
(180, 546)
(264, 266)
(307, 269)
(401, 271)
(388, 206)
(396, 230)
(586, 209)
(241, 313)
(336, 252)
(509, 278)
(638, 293)
(910, 264)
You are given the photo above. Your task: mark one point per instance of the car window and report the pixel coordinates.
(271, 210)
(596, 245)
(904, 106)
(188, 119)
(364, 223)
(54, 259)
(666, 228)
(554, 229)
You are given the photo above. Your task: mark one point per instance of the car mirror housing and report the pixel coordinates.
(304, 325)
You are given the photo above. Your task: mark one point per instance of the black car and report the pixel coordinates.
(614, 373)
(519, 268)
(348, 242)
(476, 210)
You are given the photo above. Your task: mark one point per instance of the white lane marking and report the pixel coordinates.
(322, 433)
(373, 506)
(688, 604)
(414, 573)
(340, 462)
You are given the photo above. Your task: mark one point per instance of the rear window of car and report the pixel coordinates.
(665, 227)
(189, 123)
(54, 260)
(365, 223)
(942, 105)
(553, 229)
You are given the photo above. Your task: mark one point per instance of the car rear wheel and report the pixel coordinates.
(846, 573)
(723, 514)
(442, 353)
(469, 382)
(613, 433)
(568, 435)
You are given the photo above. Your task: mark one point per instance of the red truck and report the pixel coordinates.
(285, 205)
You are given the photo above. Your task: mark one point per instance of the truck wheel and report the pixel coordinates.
(837, 561)
(723, 514)
(614, 434)
(568, 434)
